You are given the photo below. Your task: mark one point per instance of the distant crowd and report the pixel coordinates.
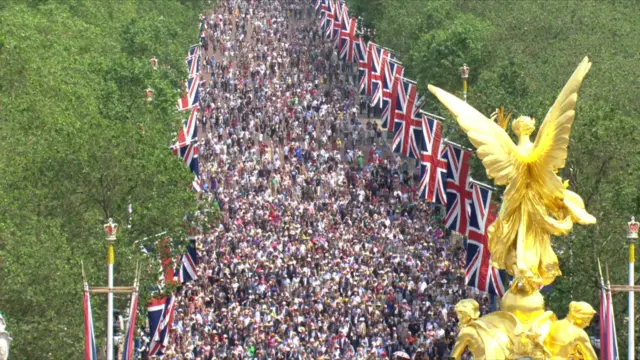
(323, 251)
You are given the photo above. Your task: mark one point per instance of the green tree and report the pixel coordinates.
(80, 142)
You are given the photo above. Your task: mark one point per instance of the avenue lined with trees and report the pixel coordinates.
(81, 143)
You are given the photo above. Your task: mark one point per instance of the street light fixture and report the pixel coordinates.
(110, 230)
(464, 72)
(632, 235)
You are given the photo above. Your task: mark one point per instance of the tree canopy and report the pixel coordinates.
(80, 142)
(521, 53)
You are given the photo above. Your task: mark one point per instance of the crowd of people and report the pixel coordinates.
(323, 250)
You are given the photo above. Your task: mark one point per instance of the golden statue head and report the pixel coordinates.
(580, 313)
(523, 126)
(467, 310)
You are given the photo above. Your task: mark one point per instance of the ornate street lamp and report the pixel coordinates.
(464, 72)
(110, 230)
(632, 235)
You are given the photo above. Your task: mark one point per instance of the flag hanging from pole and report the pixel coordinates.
(156, 314)
(479, 273)
(611, 321)
(129, 344)
(457, 189)
(90, 352)
(191, 99)
(348, 38)
(608, 338)
(433, 165)
(377, 59)
(187, 265)
(337, 25)
(407, 121)
(360, 49)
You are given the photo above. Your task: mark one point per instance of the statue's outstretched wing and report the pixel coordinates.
(495, 148)
(550, 147)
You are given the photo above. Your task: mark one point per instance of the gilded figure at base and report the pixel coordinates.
(485, 338)
(567, 339)
(536, 204)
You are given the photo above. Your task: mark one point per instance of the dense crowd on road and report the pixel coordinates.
(323, 251)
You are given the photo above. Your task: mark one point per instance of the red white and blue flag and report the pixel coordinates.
(188, 263)
(193, 51)
(361, 57)
(160, 313)
(328, 17)
(193, 65)
(433, 165)
(318, 5)
(348, 38)
(191, 158)
(479, 273)
(608, 336)
(192, 98)
(390, 93)
(377, 59)
(129, 340)
(338, 10)
(391, 69)
(390, 104)
(407, 122)
(458, 189)
(196, 185)
(90, 352)
(189, 132)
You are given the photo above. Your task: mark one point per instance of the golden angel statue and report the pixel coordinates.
(535, 204)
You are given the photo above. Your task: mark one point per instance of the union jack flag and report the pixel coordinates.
(196, 185)
(390, 93)
(329, 16)
(160, 313)
(433, 165)
(339, 10)
(191, 158)
(360, 50)
(348, 38)
(189, 131)
(318, 5)
(90, 352)
(129, 344)
(193, 65)
(377, 59)
(458, 191)
(407, 128)
(193, 51)
(193, 97)
(608, 336)
(188, 270)
(479, 273)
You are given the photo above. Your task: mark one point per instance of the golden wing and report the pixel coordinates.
(552, 140)
(495, 148)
